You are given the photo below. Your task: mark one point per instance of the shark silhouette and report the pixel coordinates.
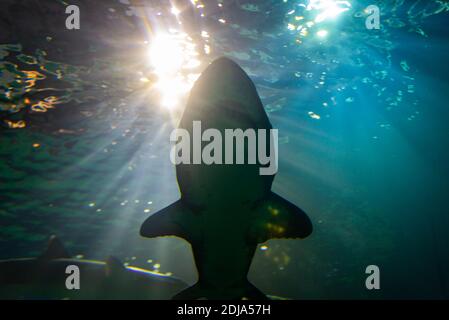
(225, 211)
(44, 277)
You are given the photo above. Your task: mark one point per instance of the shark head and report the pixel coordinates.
(224, 98)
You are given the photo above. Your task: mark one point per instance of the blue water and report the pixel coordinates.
(362, 116)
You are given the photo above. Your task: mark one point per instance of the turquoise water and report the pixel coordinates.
(85, 118)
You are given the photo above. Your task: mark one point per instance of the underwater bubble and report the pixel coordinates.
(15, 124)
(313, 115)
(404, 66)
(250, 7)
(27, 59)
(322, 33)
(395, 22)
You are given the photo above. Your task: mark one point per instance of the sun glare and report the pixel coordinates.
(328, 9)
(175, 62)
(314, 15)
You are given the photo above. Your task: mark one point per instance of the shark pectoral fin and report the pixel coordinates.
(279, 218)
(166, 222)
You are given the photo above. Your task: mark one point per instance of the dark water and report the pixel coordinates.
(85, 118)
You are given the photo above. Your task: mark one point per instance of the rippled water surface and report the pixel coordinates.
(85, 118)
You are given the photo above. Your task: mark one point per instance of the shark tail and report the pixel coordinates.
(198, 291)
(273, 217)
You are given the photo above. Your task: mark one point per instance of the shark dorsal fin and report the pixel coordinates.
(113, 266)
(55, 250)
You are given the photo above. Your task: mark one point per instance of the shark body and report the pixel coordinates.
(225, 211)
